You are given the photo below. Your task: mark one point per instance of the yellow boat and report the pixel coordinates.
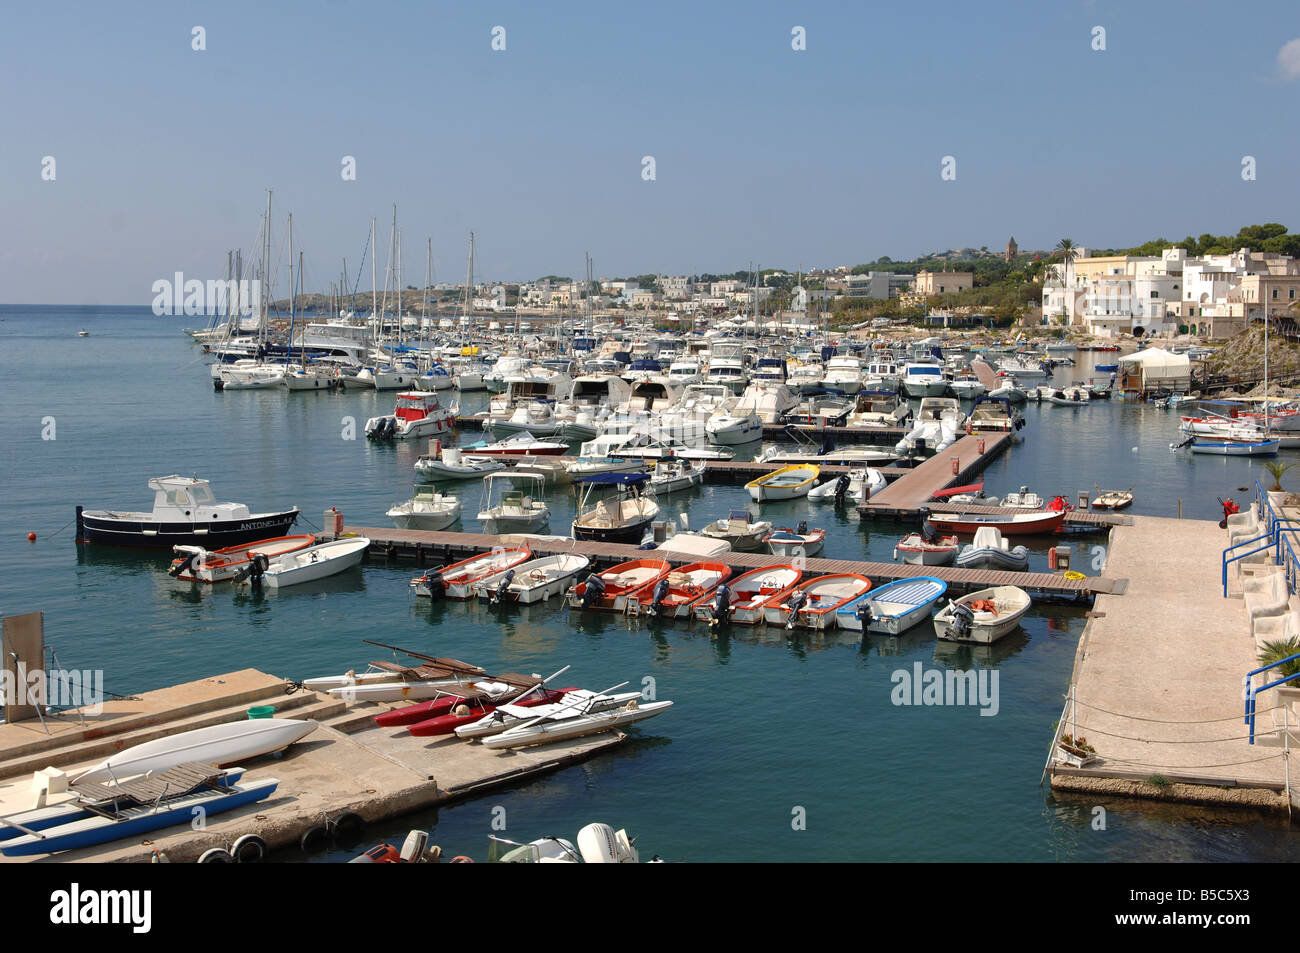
(787, 483)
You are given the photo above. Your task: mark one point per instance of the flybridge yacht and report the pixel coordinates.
(924, 379)
(528, 385)
(727, 365)
(685, 371)
(769, 400)
(843, 373)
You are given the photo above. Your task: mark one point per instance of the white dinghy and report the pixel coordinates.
(304, 565)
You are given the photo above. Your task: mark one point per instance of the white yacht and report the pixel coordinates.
(924, 379)
(843, 373)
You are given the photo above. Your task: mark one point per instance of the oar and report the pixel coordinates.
(540, 684)
(428, 658)
(580, 701)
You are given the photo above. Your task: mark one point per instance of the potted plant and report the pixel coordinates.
(1075, 751)
(1275, 651)
(1275, 469)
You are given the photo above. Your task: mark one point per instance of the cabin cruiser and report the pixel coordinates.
(806, 377)
(727, 365)
(966, 387)
(685, 371)
(877, 410)
(624, 517)
(843, 373)
(938, 423)
(924, 379)
(995, 413)
(418, 414)
(770, 401)
(185, 513)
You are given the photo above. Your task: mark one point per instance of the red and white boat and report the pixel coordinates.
(196, 564)
(455, 581)
(748, 593)
(418, 414)
(1019, 524)
(522, 444)
(469, 710)
(613, 588)
(681, 590)
(812, 605)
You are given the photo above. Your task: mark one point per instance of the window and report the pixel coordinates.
(1275, 293)
(1291, 293)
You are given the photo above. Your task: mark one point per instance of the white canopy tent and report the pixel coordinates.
(1158, 368)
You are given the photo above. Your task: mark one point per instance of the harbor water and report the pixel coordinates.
(779, 746)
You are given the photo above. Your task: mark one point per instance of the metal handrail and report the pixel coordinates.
(1252, 693)
(1269, 546)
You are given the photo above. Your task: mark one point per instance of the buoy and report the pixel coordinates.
(31, 537)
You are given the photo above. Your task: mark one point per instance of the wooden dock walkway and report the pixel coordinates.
(439, 548)
(971, 455)
(738, 472)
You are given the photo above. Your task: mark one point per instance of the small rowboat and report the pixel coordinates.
(197, 564)
(1232, 448)
(676, 594)
(305, 565)
(1113, 499)
(613, 588)
(533, 581)
(813, 604)
(742, 599)
(454, 581)
(892, 608)
(799, 541)
(982, 617)
(1020, 524)
(787, 483)
(914, 550)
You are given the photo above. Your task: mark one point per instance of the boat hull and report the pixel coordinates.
(213, 535)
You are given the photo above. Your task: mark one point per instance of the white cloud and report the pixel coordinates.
(1288, 61)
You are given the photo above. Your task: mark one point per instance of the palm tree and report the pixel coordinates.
(1278, 649)
(1276, 469)
(1068, 252)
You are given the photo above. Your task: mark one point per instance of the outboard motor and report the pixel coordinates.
(721, 605)
(802, 528)
(962, 617)
(503, 586)
(797, 600)
(865, 614)
(437, 585)
(661, 593)
(928, 532)
(841, 489)
(257, 565)
(595, 588)
(185, 563)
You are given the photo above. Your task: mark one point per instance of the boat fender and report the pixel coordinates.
(249, 849)
(346, 827)
(217, 855)
(313, 840)
(461, 859)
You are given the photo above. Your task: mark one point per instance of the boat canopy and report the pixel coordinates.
(615, 478)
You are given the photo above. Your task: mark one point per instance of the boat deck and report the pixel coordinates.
(433, 549)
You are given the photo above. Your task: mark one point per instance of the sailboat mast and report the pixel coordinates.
(374, 281)
(266, 273)
(292, 288)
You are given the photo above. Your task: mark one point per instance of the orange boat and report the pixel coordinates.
(744, 598)
(613, 588)
(454, 581)
(812, 605)
(678, 592)
(197, 564)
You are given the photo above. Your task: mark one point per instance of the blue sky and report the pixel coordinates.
(785, 158)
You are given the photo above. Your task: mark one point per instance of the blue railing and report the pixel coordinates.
(1276, 530)
(1252, 693)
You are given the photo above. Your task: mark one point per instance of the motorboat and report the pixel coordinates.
(787, 483)
(742, 599)
(312, 377)
(613, 588)
(737, 529)
(675, 595)
(675, 475)
(893, 608)
(918, 549)
(427, 509)
(924, 379)
(660, 446)
(624, 517)
(1022, 367)
(800, 541)
(936, 426)
(520, 444)
(1069, 397)
(858, 485)
(1112, 499)
(1019, 524)
(196, 564)
(455, 581)
(982, 617)
(994, 413)
(303, 565)
(597, 844)
(514, 509)
(185, 513)
(844, 374)
(533, 581)
(734, 425)
(249, 374)
(1023, 499)
(991, 551)
(966, 387)
(418, 414)
(812, 605)
(451, 464)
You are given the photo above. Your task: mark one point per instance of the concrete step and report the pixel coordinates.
(76, 750)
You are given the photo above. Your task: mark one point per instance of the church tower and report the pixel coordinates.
(1012, 249)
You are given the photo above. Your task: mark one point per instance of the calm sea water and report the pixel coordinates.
(764, 726)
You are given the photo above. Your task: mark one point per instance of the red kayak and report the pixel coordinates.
(498, 687)
(472, 709)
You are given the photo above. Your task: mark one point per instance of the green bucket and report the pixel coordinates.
(262, 711)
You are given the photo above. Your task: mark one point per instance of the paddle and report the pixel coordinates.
(580, 701)
(440, 662)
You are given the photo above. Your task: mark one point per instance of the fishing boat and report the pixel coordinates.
(743, 598)
(675, 595)
(1112, 499)
(510, 714)
(799, 541)
(303, 565)
(185, 513)
(455, 581)
(427, 510)
(561, 727)
(231, 743)
(736, 529)
(813, 604)
(624, 517)
(513, 509)
(143, 806)
(918, 549)
(196, 564)
(787, 483)
(1235, 448)
(451, 464)
(892, 608)
(675, 475)
(982, 617)
(613, 588)
(1018, 524)
(533, 581)
(991, 551)
(418, 414)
